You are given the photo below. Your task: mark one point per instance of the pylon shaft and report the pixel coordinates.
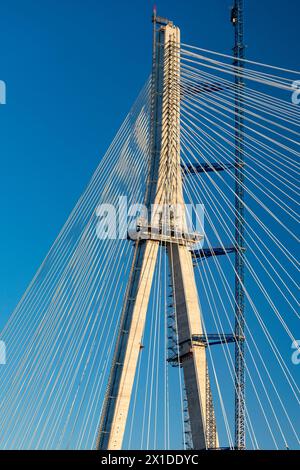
(117, 401)
(192, 351)
(164, 188)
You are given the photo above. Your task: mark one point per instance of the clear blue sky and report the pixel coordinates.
(72, 70)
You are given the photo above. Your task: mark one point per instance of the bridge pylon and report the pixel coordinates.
(168, 227)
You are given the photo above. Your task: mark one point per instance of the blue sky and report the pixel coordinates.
(72, 70)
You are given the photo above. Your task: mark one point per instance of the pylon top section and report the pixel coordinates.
(165, 178)
(159, 19)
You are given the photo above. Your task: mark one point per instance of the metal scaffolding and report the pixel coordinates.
(237, 21)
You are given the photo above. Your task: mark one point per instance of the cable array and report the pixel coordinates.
(60, 337)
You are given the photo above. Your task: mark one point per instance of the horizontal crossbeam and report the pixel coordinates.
(203, 87)
(194, 168)
(163, 234)
(212, 339)
(208, 252)
(217, 338)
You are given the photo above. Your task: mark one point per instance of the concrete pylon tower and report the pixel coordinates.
(165, 202)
